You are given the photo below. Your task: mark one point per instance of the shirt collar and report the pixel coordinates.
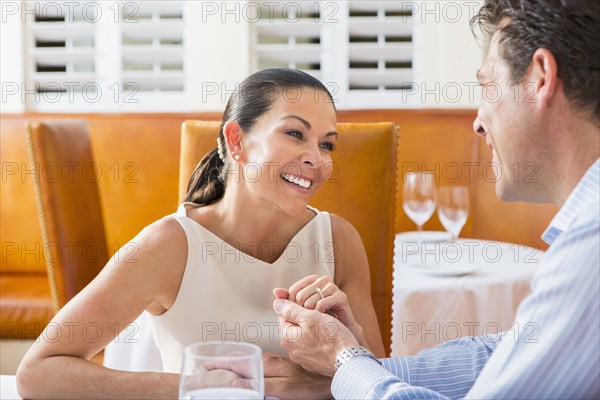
(586, 191)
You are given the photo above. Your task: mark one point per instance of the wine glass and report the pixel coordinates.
(222, 370)
(419, 197)
(453, 208)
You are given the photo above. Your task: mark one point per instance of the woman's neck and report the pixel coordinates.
(250, 224)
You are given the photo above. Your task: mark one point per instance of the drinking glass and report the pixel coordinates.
(222, 370)
(419, 197)
(453, 208)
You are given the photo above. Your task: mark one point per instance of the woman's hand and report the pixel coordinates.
(284, 379)
(327, 299)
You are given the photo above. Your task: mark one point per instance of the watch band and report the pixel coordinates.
(353, 351)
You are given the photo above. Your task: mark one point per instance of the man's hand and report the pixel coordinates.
(313, 339)
(330, 300)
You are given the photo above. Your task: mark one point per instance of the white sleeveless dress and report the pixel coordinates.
(226, 294)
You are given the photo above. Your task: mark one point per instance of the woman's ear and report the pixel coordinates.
(233, 137)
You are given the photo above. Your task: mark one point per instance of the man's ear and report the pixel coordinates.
(233, 136)
(544, 74)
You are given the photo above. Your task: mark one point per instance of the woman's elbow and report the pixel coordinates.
(28, 384)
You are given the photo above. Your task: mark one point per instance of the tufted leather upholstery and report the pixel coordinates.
(362, 189)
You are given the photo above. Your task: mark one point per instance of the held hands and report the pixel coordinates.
(231, 373)
(313, 339)
(319, 293)
(217, 377)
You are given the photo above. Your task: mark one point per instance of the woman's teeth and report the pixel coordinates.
(298, 181)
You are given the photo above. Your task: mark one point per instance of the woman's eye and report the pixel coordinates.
(328, 146)
(296, 134)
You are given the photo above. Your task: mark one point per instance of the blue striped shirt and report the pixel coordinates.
(552, 351)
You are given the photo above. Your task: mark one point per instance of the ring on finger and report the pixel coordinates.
(319, 292)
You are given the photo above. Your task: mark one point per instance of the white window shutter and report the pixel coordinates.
(60, 53)
(95, 56)
(152, 46)
(381, 51)
(287, 34)
(362, 50)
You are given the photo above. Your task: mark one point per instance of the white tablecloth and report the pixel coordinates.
(134, 349)
(8, 387)
(430, 308)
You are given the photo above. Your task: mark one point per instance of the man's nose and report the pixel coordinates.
(478, 127)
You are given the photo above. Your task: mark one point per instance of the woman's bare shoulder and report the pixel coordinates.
(344, 233)
(157, 256)
(163, 231)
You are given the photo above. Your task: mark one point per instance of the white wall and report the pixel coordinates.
(218, 39)
(11, 57)
(448, 55)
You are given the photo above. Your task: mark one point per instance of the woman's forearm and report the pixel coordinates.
(68, 377)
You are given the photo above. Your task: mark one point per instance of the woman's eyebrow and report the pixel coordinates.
(305, 122)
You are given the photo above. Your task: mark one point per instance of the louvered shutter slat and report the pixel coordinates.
(286, 29)
(391, 52)
(391, 26)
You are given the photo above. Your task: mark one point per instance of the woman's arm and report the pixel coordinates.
(352, 276)
(145, 274)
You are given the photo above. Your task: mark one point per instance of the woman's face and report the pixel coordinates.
(287, 154)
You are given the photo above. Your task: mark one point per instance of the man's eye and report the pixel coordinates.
(328, 146)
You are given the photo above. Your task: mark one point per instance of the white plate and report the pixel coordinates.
(446, 269)
(425, 236)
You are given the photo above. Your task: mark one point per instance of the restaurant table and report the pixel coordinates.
(8, 387)
(443, 290)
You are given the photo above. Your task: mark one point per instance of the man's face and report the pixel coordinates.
(506, 119)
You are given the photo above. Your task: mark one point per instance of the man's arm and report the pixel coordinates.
(446, 371)
(553, 349)
(314, 339)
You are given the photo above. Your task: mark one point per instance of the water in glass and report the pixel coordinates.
(222, 370)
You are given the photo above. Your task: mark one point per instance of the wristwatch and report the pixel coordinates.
(353, 351)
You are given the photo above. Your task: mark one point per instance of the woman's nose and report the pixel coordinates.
(311, 156)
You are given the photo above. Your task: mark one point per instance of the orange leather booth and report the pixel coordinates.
(136, 158)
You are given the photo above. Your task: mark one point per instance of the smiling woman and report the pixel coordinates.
(207, 272)
(259, 97)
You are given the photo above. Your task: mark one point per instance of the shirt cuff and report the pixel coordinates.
(357, 378)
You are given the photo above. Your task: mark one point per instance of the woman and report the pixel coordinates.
(207, 271)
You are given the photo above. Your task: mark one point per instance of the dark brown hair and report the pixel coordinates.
(252, 98)
(570, 29)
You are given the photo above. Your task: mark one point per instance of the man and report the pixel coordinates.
(544, 70)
